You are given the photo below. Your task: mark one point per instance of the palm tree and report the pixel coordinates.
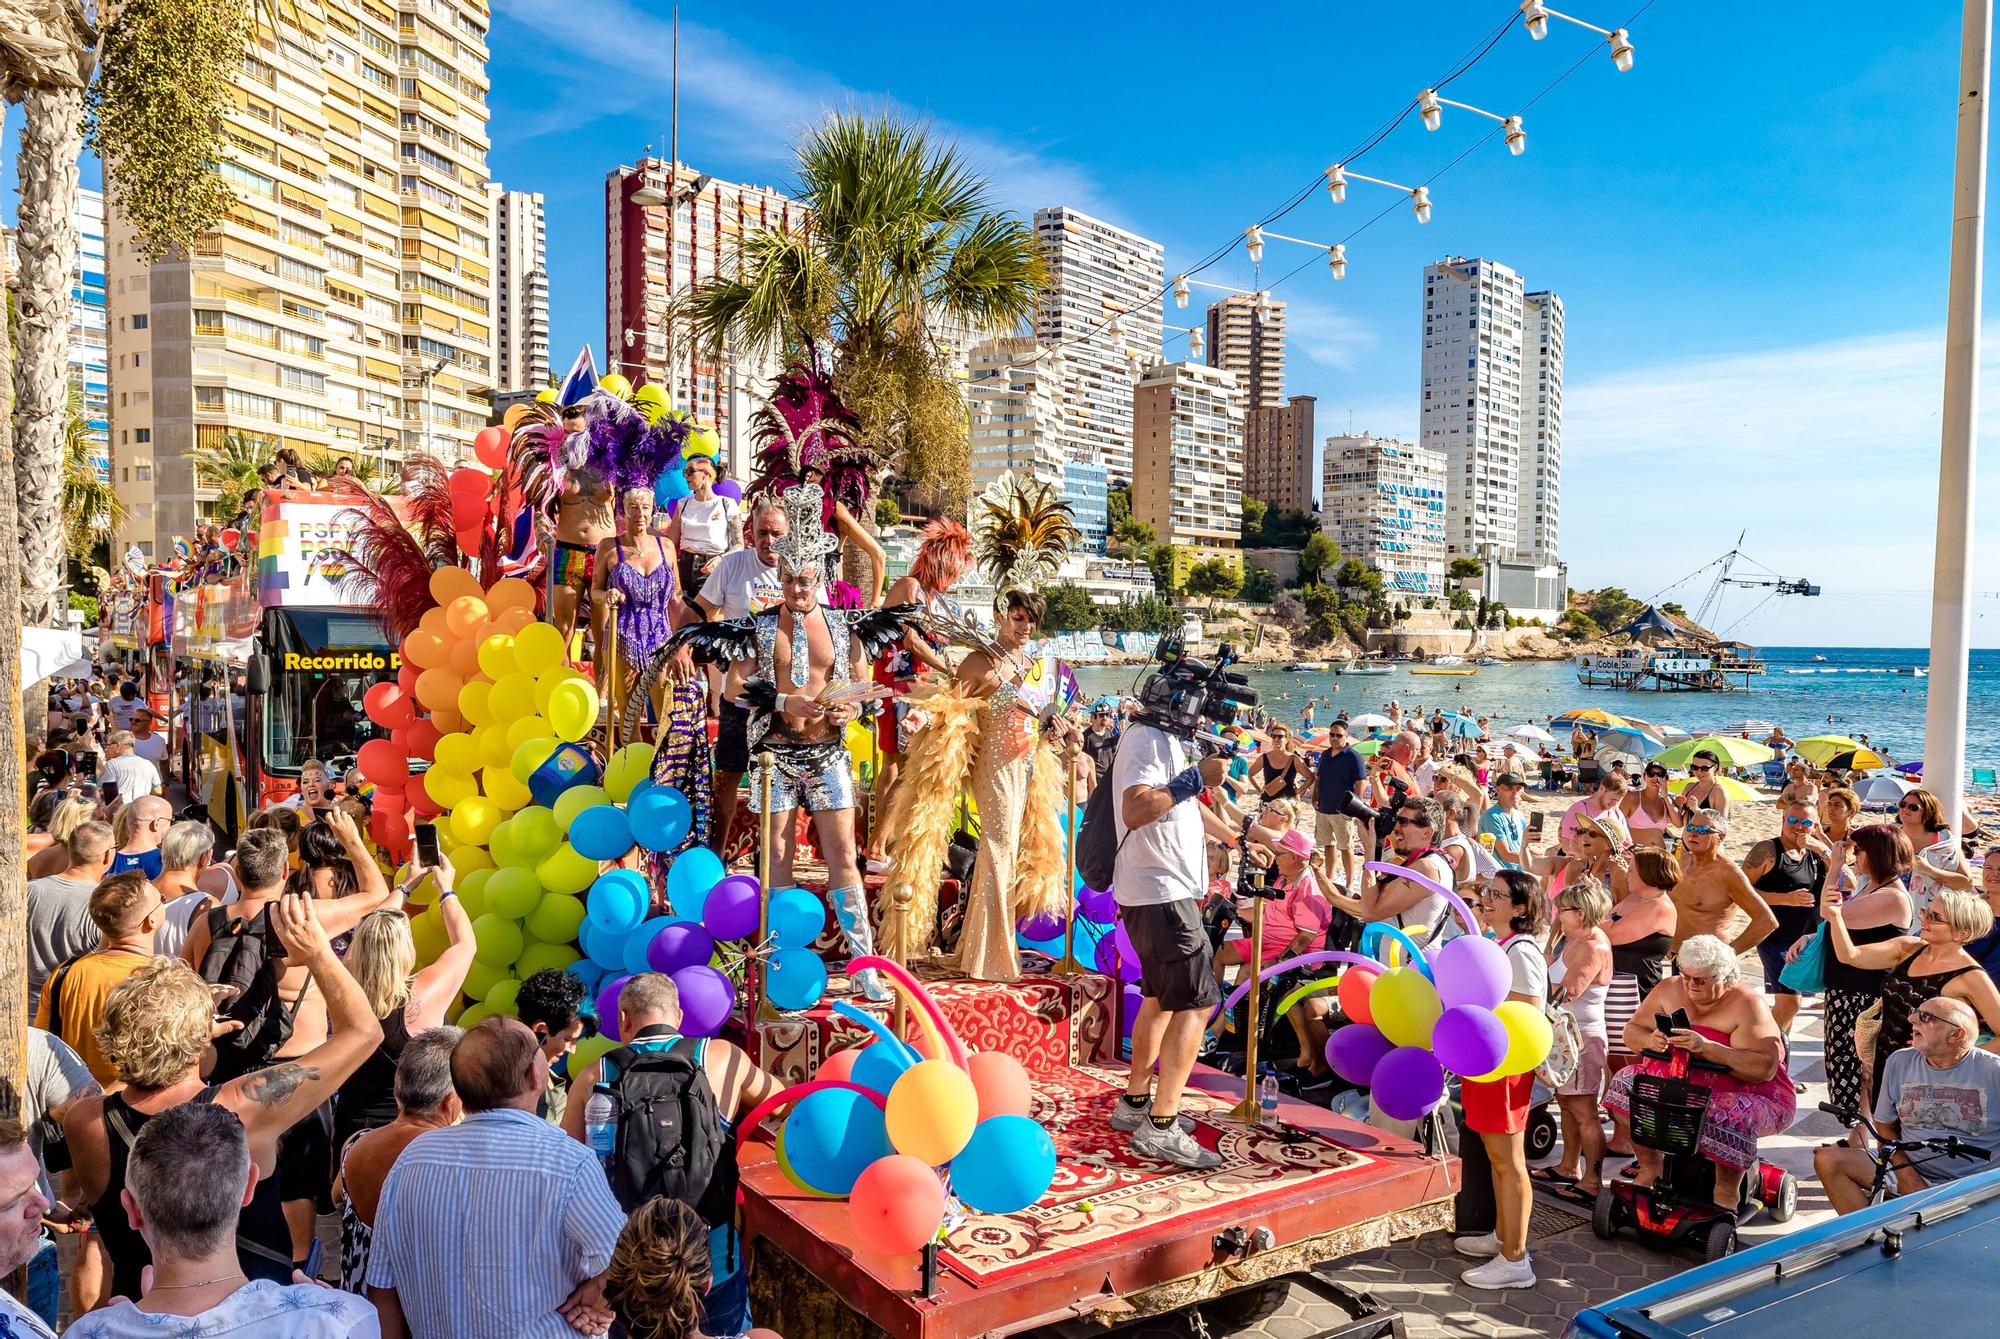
(90, 505)
(231, 470)
(904, 244)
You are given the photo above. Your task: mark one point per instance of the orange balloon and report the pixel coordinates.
(433, 619)
(426, 650)
(1002, 1084)
(896, 1206)
(510, 593)
(449, 583)
(438, 689)
(514, 618)
(464, 615)
(464, 658)
(448, 720)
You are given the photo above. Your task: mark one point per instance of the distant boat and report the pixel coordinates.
(1488, 660)
(1447, 660)
(1914, 671)
(1819, 658)
(1307, 667)
(1368, 671)
(1458, 673)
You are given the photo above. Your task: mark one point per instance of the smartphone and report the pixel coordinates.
(108, 792)
(1535, 823)
(1677, 1021)
(427, 844)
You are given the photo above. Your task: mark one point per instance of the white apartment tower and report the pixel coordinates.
(1251, 343)
(1187, 455)
(344, 305)
(1383, 501)
(1015, 419)
(1539, 511)
(1471, 407)
(1101, 313)
(520, 289)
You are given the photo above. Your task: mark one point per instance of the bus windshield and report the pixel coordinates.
(322, 664)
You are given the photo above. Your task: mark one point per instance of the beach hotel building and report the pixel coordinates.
(1187, 461)
(1383, 501)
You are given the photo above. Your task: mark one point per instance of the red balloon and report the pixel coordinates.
(422, 804)
(423, 739)
(388, 706)
(469, 481)
(388, 828)
(839, 1065)
(896, 1205)
(490, 445)
(1002, 1084)
(406, 678)
(468, 512)
(1355, 985)
(383, 763)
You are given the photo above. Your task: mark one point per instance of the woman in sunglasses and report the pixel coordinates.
(1875, 910)
(1649, 810)
(1938, 865)
(1920, 968)
(1704, 788)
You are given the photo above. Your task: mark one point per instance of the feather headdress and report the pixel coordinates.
(805, 431)
(1023, 530)
(396, 548)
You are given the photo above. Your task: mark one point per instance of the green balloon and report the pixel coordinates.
(556, 919)
(500, 998)
(513, 892)
(536, 832)
(482, 977)
(496, 941)
(545, 957)
(574, 801)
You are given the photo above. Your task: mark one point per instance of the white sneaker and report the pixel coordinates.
(1173, 1145)
(1482, 1247)
(1500, 1272)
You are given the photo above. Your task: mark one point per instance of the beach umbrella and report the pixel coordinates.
(1819, 748)
(1463, 727)
(1882, 792)
(1590, 718)
(1369, 720)
(1748, 728)
(1734, 752)
(1666, 733)
(1737, 792)
(1911, 768)
(1368, 748)
(1634, 763)
(1855, 760)
(1635, 743)
(1532, 732)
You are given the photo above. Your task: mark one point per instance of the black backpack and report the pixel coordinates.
(247, 954)
(670, 1139)
(1097, 840)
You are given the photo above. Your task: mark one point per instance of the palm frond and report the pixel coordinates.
(90, 505)
(386, 566)
(1023, 531)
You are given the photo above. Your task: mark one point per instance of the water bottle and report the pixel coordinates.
(1267, 1094)
(600, 1123)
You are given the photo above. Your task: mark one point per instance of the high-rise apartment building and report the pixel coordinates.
(1278, 456)
(1471, 407)
(1247, 336)
(665, 232)
(1014, 420)
(1538, 521)
(1383, 501)
(1187, 455)
(520, 289)
(89, 346)
(344, 305)
(1101, 312)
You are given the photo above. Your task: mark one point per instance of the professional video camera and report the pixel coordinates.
(1184, 695)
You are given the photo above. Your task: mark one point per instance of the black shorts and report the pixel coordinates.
(732, 739)
(1176, 961)
(305, 1160)
(1794, 923)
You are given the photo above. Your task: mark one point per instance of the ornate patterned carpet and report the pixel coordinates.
(1102, 1191)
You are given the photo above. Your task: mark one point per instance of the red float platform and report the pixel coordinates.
(1115, 1235)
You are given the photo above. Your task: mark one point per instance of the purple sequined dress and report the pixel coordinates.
(644, 624)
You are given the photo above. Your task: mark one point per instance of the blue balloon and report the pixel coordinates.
(671, 486)
(632, 949)
(660, 817)
(878, 1067)
(796, 980)
(604, 947)
(832, 1136)
(795, 917)
(590, 972)
(601, 832)
(617, 902)
(1007, 1165)
(693, 873)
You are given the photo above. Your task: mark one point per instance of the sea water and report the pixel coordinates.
(1854, 690)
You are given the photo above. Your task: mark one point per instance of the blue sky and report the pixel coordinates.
(1749, 230)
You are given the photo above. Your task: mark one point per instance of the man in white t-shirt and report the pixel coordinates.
(743, 582)
(124, 703)
(148, 741)
(1162, 872)
(133, 775)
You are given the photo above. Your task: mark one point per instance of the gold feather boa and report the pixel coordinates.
(923, 812)
(1042, 862)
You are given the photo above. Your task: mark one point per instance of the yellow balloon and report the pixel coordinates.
(547, 683)
(574, 801)
(538, 648)
(459, 754)
(527, 728)
(513, 697)
(702, 442)
(496, 656)
(448, 788)
(471, 859)
(429, 937)
(932, 1109)
(528, 755)
(493, 750)
(503, 789)
(615, 383)
(474, 818)
(475, 702)
(452, 583)
(627, 768)
(568, 873)
(1528, 1038)
(1405, 1006)
(572, 709)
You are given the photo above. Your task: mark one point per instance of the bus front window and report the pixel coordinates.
(317, 714)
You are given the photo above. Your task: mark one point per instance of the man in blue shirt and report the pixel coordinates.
(1341, 770)
(1507, 822)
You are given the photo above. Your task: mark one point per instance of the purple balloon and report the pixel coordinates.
(1133, 1001)
(1116, 956)
(607, 1005)
(1094, 905)
(729, 488)
(706, 1000)
(1407, 1083)
(1040, 928)
(1469, 1040)
(1472, 970)
(1354, 1051)
(731, 909)
(683, 944)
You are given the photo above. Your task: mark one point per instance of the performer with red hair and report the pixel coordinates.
(942, 558)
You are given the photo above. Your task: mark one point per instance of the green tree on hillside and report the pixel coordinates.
(1070, 609)
(1466, 569)
(1319, 553)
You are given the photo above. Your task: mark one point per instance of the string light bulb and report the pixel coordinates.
(1517, 138)
(1194, 342)
(1430, 109)
(1181, 292)
(1621, 50)
(1253, 241)
(1336, 184)
(1535, 15)
(1420, 203)
(1336, 259)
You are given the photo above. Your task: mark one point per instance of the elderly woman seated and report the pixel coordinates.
(1730, 1027)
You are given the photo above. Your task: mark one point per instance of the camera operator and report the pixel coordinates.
(1162, 872)
(1418, 826)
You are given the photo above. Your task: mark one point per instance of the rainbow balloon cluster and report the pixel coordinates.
(896, 1133)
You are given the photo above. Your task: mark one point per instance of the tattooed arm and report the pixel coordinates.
(272, 1100)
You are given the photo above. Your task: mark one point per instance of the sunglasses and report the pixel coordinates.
(1939, 1020)
(1931, 916)
(1656, 776)
(1911, 808)
(1702, 767)
(1410, 821)
(1792, 822)
(1700, 830)
(1691, 981)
